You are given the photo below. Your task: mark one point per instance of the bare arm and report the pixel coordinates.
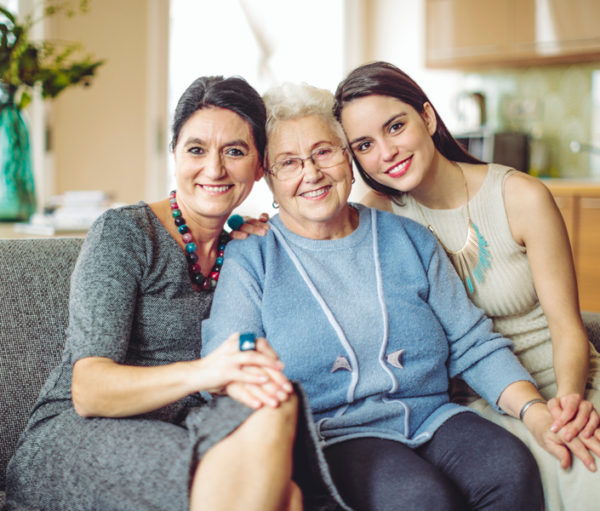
(537, 224)
(102, 387)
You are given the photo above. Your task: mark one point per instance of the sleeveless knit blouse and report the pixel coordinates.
(507, 292)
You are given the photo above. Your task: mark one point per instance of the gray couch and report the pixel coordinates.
(34, 284)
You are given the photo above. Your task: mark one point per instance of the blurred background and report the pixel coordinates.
(516, 81)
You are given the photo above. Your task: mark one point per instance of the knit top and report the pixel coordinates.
(373, 325)
(507, 292)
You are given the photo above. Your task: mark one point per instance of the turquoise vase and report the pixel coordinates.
(17, 190)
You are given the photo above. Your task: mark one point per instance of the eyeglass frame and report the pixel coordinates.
(309, 157)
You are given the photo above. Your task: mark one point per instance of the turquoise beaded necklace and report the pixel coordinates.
(199, 280)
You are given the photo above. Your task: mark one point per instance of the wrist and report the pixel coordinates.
(528, 405)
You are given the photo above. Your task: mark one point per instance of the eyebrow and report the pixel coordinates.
(384, 125)
(199, 141)
(293, 154)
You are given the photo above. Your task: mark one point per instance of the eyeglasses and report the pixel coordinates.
(323, 157)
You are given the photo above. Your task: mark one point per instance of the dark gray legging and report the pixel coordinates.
(470, 463)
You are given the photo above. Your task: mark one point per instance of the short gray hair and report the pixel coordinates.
(293, 100)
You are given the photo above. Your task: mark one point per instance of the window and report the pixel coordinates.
(265, 41)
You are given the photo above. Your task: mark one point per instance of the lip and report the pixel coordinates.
(399, 169)
(316, 194)
(215, 189)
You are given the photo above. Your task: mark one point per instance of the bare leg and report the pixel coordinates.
(251, 469)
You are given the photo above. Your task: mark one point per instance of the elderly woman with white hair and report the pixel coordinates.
(368, 314)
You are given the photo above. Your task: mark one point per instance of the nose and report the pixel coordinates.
(311, 172)
(213, 166)
(388, 150)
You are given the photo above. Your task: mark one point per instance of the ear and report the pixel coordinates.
(260, 172)
(429, 118)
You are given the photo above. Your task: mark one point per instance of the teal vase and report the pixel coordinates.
(17, 189)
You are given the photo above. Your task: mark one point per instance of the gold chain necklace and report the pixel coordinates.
(473, 258)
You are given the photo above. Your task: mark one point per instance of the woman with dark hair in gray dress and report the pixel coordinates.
(127, 420)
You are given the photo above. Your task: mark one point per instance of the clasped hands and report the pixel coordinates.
(571, 427)
(255, 377)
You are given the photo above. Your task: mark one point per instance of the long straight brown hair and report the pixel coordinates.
(385, 79)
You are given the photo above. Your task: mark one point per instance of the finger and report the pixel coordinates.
(592, 444)
(263, 346)
(569, 410)
(281, 380)
(277, 385)
(560, 452)
(254, 227)
(240, 393)
(581, 451)
(555, 410)
(592, 425)
(576, 425)
(254, 358)
(259, 393)
(238, 235)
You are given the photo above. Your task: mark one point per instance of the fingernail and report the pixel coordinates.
(554, 428)
(282, 396)
(288, 387)
(593, 466)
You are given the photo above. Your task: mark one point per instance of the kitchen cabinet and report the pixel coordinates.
(479, 33)
(579, 204)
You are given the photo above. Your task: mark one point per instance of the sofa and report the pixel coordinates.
(34, 283)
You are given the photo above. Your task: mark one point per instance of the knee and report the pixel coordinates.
(275, 425)
(434, 492)
(514, 475)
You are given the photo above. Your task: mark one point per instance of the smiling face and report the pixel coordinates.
(216, 163)
(314, 203)
(391, 140)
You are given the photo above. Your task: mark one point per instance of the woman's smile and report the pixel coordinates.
(399, 169)
(216, 189)
(317, 194)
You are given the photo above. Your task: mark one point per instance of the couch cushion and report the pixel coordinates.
(34, 289)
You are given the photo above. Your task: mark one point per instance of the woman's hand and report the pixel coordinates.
(228, 365)
(256, 226)
(539, 420)
(274, 391)
(574, 415)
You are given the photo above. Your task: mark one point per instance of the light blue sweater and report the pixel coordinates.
(373, 330)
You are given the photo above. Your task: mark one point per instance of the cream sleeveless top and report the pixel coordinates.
(507, 292)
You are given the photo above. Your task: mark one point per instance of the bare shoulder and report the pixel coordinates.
(526, 192)
(377, 200)
(530, 208)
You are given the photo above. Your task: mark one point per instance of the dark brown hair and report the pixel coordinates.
(234, 94)
(384, 79)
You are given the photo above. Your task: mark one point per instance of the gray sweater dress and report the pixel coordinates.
(132, 301)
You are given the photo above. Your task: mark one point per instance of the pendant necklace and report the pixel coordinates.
(473, 258)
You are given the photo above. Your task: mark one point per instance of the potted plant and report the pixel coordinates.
(26, 65)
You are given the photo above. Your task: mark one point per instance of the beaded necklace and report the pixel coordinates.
(201, 282)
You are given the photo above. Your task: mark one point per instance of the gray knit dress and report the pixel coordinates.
(132, 301)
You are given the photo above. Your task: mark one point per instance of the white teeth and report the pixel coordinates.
(314, 193)
(216, 188)
(398, 168)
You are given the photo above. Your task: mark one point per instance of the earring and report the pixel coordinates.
(275, 205)
(353, 180)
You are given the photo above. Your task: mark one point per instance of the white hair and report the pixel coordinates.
(293, 100)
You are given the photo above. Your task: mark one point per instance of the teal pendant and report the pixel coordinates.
(473, 259)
